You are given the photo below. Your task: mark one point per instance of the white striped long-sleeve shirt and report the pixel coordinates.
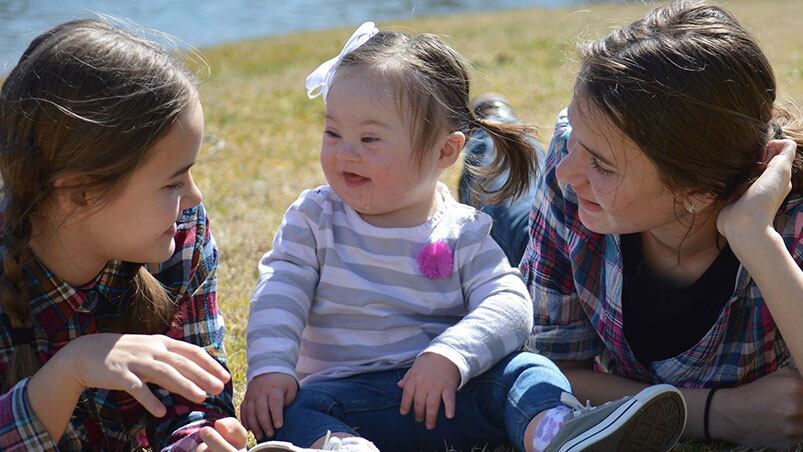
(338, 296)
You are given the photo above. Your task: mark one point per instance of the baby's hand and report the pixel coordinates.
(264, 402)
(431, 379)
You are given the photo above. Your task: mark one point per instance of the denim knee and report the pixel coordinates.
(310, 416)
(534, 384)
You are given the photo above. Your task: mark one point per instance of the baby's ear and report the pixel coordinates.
(451, 148)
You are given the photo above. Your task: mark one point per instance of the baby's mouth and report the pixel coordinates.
(354, 180)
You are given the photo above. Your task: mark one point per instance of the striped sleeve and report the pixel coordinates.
(500, 311)
(561, 328)
(288, 275)
(20, 427)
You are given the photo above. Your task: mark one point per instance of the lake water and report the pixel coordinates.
(203, 22)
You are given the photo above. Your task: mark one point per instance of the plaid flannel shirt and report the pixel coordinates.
(575, 279)
(113, 420)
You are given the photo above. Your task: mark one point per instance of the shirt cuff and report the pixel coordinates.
(453, 356)
(21, 427)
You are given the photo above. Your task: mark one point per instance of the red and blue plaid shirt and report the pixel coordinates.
(575, 279)
(113, 420)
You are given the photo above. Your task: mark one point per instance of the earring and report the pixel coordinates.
(691, 207)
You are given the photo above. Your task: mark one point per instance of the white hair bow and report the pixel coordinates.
(320, 80)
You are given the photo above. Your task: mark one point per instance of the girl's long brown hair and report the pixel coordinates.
(87, 98)
(693, 89)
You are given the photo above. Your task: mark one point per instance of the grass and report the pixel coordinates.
(263, 133)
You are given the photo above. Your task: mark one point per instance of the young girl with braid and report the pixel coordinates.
(383, 297)
(110, 336)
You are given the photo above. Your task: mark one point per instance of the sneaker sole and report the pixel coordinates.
(652, 421)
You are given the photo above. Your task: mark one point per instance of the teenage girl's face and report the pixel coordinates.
(367, 154)
(139, 223)
(618, 189)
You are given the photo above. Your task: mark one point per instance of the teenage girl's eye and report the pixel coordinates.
(176, 186)
(595, 164)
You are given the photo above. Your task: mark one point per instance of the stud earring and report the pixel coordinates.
(691, 207)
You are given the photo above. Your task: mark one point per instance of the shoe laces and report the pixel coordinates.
(331, 442)
(577, 408)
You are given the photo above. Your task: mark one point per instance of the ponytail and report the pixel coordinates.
(515, 154)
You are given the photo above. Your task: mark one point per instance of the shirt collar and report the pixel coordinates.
(47, 289)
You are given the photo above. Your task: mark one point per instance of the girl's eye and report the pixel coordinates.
(176, 186)
(595, 164)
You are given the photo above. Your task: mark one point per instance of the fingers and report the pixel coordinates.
(263, 415)
(420, 405)
(140, 391)
(232, 431)
(199, 356)
(403, 381)
(433, 404)
(407, 397)
(169, 378)
(214, 441)
(248, 416)
(449, 401)
(207, 381)
(276, 406)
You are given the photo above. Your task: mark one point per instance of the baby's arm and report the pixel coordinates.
(288, 275)
(500, 311)
(499, 321)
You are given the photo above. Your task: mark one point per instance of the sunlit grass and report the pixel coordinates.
(264, 134)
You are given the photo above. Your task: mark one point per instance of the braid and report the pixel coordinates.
(14, 295)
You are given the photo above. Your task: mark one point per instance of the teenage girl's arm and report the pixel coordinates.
(748, 226)
(109, 361)
(36, 411)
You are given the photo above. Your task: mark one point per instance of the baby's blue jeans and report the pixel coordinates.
(492, 408)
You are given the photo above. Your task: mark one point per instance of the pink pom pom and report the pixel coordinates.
(435, 260)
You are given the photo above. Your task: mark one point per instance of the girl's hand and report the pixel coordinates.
(262, 410)
(227, 436)
(431, 379)
(128, 362)
(757, 206)
(767, 412)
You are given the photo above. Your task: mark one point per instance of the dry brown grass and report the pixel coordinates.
(264, 133)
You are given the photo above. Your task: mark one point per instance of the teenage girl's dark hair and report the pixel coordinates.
(432, 90)
(692, 88)
(87, 98)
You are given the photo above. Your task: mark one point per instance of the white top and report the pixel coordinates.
(338, 296)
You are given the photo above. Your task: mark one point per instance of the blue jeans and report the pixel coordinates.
(492, 408)
(511, 218)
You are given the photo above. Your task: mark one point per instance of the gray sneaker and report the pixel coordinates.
(651, 420)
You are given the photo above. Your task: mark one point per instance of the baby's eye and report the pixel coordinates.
(369, 139)
(331, 134)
